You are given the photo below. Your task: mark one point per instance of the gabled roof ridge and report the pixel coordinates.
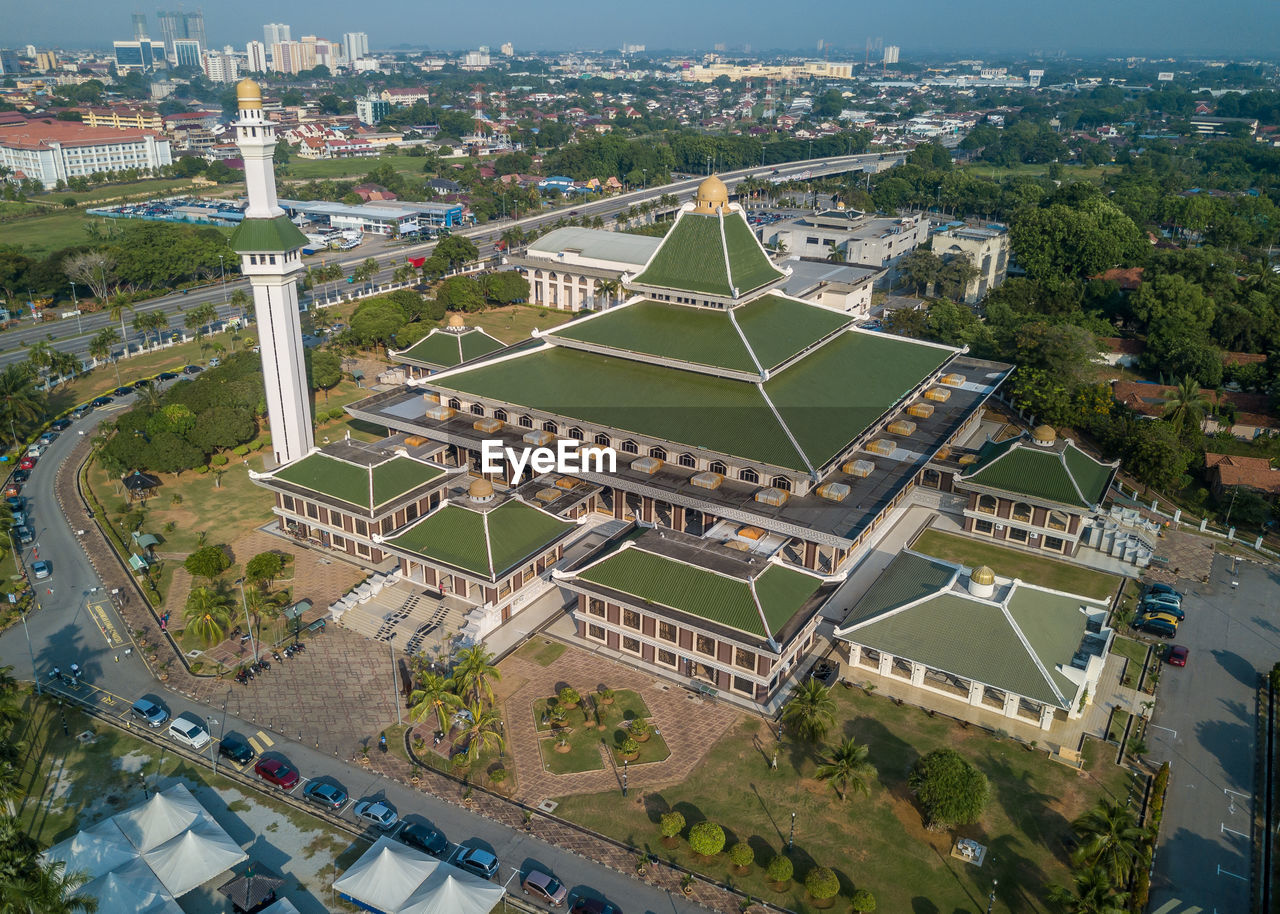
(1071, 477)
(1026, 643)
(910, 604)
(457, 341)
(994, 460)
(488, 544)
(671, 558)
(764, 374)
(782, 423)
(444, 375)
(764, 622)
(724, 249)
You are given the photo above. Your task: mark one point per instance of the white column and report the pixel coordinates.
(855, 654)
(1046, 717)
(975, 693)
(1010, 705)
(886, 664)
(917, 673)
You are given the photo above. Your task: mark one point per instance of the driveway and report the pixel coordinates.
(1204, 726)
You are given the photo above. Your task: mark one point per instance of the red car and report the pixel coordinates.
(276, 772)
(1176, 655)
(28, 463)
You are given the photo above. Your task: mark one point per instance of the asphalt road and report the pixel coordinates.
(1204, 726)
(62, 631)
(75, 334)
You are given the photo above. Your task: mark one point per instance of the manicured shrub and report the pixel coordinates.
(706, 838)
(629, 747)
(741, 854)
(218, 460)
(950, 789)
(241, 450)
(863, 901)
(568, 696)
(640, 728)
(822, 883)
(671, 824)
(780, 869)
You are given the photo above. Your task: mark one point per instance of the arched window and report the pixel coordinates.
(525, 422)
(686, 460)
(658, 453)
(577, 435)
(603, 440)
(551, 427)
(1021, 512)
(1057, 520)
(629, 447)
(718, 466)
(748, 475)
(987, 504)
(931, 478)
(500, 414)
(455, 403)
(781, 482)
(477, 409)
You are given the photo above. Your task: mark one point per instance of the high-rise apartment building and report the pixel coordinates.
(9, 63)
(275, 33)
(145, 55)
(46, 61)
(286, 57)
(372, 109)
(891, 53)
(255, 57)
(221, 66)
(508, 49)
(187, 53)
(355, 45)
(176, 26)
(140, 26)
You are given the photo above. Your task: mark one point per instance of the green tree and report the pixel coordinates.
(505, 287)
(221, 427)
(1110, 839)
(148, 322)
(741, 855)
(706, 839)
(1094, 893)
(207, 562)
(811, 711)
(481, 730)
(863, 902)
(264, 568)
(461, 293)
(325, 370)
(822, 883)
(207, 613)
(671, 824)
(1186, 406)
(21, 405)
(377, 321)
(847, 768)
(780, 869)
(950, 789)
(920, 268)
(474, 672)
(119, 304)
(432, 694)
(835, 253)
(201, 317)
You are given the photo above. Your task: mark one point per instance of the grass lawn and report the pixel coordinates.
(1011, 563)
(592, 724)
(1115, 726)
(306, 169)
(544, 653)
(514, 323)
(875, 841)
(46, 233)
(583, 754)
(1136, 652)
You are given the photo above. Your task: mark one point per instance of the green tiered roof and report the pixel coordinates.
(443, 349)
(254, 236)
(696, 257)
(484, 543)
(365, 487)
(1064, 474)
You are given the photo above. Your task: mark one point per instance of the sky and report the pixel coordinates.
(1235, 28)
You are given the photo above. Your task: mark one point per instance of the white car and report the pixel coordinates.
(377, 812)
(190, 733)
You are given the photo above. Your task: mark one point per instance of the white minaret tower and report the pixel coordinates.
(270, 247)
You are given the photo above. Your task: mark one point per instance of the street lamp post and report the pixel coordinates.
(223, 267)
(75, 303)
(991, 899)
(245, 604)
(395, 685)
(791, 839)
(624, 777)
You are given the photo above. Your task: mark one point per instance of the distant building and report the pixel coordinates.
(986, 247)
(355, 45)
(177, 26)
(221, 67)
(9, 63)
(508, 49)
(286, 57)
(891, 52)
(406, 96)
(476, 60)
(141, 56)
(845, 287)
(123, 118)
(275, 33)
(49, 150)
(862, 239)
(1223, 126)
(371, 109)
(255, 57)
(46, 61)
(818, 69)
(186, 53)
(1227, 471)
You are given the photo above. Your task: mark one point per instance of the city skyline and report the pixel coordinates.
(1238, 27)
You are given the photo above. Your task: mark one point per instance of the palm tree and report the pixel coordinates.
(208, 613)
(432, 694)
(1111, 840)
(836, 254)
(1094, 893)
(848, 768)
(607, 289)
(64, 366)
(20, 402)
(240, 299)
(119, 304)
(150, 322)
(472, 671)
(102, 346)
(150, 398)
(481, 730)
(810, 711)
(1185, 407)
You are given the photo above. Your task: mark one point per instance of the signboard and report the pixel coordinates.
(1164, 77)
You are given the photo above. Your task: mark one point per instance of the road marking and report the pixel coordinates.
(1222, 872)
(106, 626)
(266, 740)
(1247, 796)
(1233, 831)
(257, 750)
(1166, 729)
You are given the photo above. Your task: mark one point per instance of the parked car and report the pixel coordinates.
(1177, 655)
(215, 362)
(193, 369)
(190, 732)
(16, 503)
(150, 713)
(544, 887)
(276, 772)
(42, 570)
(1157, 587)
(1163, 617)
(327, 795)
(123, 391)
(49, 437)
(21, 476)
(594, 906)
(1150, 608)
(60, 425)
(1167, 598)
(27, 463)
(103, 401)
(1157, 626)
(24, 534)
(477, 860)
(236, 749)
(166, 376)
(20, 518)
(377, 812)
(424, 838)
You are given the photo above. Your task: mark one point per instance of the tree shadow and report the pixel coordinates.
(922, 905)
(1029, 808)
(891, 755)
(1229, 743)
(1237, 709)
(1238, 667)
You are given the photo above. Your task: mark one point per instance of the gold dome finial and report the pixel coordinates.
(711, 196)
(248, 94)
(1044, 435)
(480, 490)
(456, 321)
(983, 575)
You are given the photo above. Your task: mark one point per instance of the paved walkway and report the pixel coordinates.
(689, 724)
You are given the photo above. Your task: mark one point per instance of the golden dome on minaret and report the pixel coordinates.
(248, 94)
(711, 196)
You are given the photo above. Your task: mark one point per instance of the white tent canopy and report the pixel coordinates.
(283, 906)
(97, 850)
(131, 889)
(396, 879)
(163, 817)
(194, 857)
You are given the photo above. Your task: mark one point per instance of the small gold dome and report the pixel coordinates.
(455, 320)
(983, 575)
(248, 94)
(480, 489)
(1044, 434)
(711, 195)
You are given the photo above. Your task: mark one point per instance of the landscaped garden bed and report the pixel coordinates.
(617, 721)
